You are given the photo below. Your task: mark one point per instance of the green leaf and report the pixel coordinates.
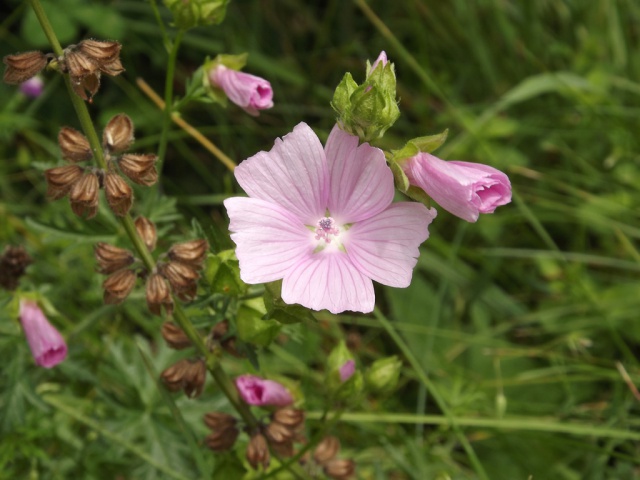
(251, 326)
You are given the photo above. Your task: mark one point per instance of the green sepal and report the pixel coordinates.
(400, 179)
(413, 147)
(222, 272)
(250, 324)
(283, 312)
(419, 195)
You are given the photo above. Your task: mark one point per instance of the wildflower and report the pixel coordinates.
(249, 92)
(258, 391)
(462, 188)
(382, 59)
(33, 87)
(323, 222)
(47, 345)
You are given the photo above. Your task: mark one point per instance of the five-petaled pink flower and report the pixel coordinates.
(347, 370)
(247, 91)
(258, 391)
(323, 221)
(47, 345)
(462, 188)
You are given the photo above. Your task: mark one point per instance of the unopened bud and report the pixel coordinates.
(119, 194)
(291, 417)
(219, 420)
(340, 469)
(118, 134)
(189, 375)
(182, 279)
(139, 168)
(222, 440)
(118, 285)
(84, 195)
(326, 450)
(23, 66)
(278, 433)
(191, 253)
(197, 13)
(147, 232)
(60, 180)
(111, 258)
(175, 336)
(159, 295)
(382, 377)
(258, 451)
(13, 263)
(74, 145)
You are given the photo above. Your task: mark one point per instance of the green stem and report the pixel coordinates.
(46, 26)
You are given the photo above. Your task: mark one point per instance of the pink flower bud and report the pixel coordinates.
(382, 58)
(258, 391)
(33, 87)
(47, 345)
(464, 189)
(247, 91)
(346, 370)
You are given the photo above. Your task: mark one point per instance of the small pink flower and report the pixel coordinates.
(247, 91)
(258, 391)
(47, 345)
(464, 189)
(323, 221)
(347, 370)
(382, 58)
(33, 87)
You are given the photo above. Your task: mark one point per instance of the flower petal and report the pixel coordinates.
(292, 174)
(328, 281)
(270, 240)
(47, 345)
(361, 183)
(385, 248)
(258, 391)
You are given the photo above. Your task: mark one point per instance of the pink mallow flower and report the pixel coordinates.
(258, 391)
(347, 370)
(47, 345)
(247, 91)
(323, 221)
(462, 188)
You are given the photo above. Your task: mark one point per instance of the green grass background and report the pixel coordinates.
(521, 322)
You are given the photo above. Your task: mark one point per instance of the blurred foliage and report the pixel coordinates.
(519, 319)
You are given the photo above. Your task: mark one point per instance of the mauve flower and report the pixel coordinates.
(258, 391)
(47, 345)
(33, 87)
(347, 370)
(462, 188)
(323, 221)
(247, 91)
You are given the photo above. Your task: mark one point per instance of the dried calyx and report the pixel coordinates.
(188, 375)
(224, 431)
(324, 457)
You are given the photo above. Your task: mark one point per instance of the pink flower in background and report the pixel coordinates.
(247, 91)
(323, 221)
(382, 58)
(347, 370)
(33, 87)
(258, 391)
(47, 345)
(462, 188)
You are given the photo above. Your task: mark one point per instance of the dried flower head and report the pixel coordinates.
(119, 194)
(13, 263)
(118, 134)
(139, 168)
(118, 285)
(191, 253)
(258, 451)
(289, 416)
(326, 450)
(279, 433)
(23, 66)
(111, 258)
(186, 374)
(340, 469)
(147, 232)
(158, 296)
(84, 195)
(182, 279)
(175, 336)
(219, 420)
(74, 145)
(223, 439)
(102, 52)
(86, 87)
(60, 180)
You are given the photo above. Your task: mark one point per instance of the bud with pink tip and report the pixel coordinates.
(47, 345)
(258, 391)
(33, 87)
(249, 92)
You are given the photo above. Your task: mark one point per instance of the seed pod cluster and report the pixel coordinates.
(224, 431)
(188, 375)
(114, 261)
(324, 456)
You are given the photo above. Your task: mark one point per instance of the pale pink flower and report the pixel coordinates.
(33, 87)
(247, 91)
(258, 391)
(347, 370)
(47, 345)
(323, 221)
(462, 188)
(382, 58)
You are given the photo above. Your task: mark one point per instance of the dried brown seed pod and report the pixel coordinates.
(100, 51)
(139, 168)
(119, 194)
(258, 451)
(182, 279)
(23, 66)
(112, 68)
(192, 253)
(159, 295)
(340, 469)
(175, 336)
(278, 433)
(86, 87)
(189, 375)
(84, 195)
(60, 180)
(77, 64)
(74, 145)
(326, 450)
(147, 231)
(289, 416)
(118, 285)
(219, 420)
(111, 258)
(13, 263)
(220, 329)
(118, 134)
(222, 440)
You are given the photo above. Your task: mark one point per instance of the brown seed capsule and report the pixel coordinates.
(220, 329)
(77, 64)
(74, 145)
(192, 253)
(182, 279)
(86, 87)
(112, 68)
(100, 51)
(175, 336)
(291, 417)
(13, 263)
(219, 420)
(258, 451)
(340, 469)
(60, 180)
(222, 440)
(189, 375)
(111, 258)
(84, 195)
(118, 134)
(139, 168)
(278, 433)
(119, 194)
(284, 449)
(118, 285)
(158, 296)
(327, 449)
(147, 231)
(23, 66)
